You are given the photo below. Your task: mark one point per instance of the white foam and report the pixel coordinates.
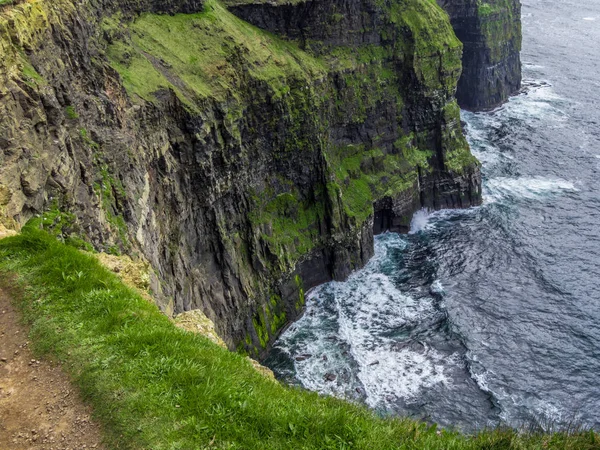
(400, 374)
(419, 221)
(482, 382)
(546, 414)
(589, 18)
(542, 105)
(532, 66)
(478, 129)
(346, 331)
(436, 287)
(533, 188)
(538, 103)
(425, 219)
(487, 154)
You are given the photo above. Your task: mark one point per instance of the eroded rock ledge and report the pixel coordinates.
(245, 166)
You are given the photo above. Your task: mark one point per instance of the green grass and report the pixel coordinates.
(154, 386)
(71, 113)
(204, 55)
(31, 76)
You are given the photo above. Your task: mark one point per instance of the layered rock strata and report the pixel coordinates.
(490, 31)
(246, 165)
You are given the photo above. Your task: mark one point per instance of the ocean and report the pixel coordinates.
(487, 316)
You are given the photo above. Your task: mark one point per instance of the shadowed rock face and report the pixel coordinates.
(491, 34)
(244, 168)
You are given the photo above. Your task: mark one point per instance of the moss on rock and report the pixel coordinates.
(232, 157)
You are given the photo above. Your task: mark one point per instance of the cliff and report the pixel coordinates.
(490, 31)
(245, 164)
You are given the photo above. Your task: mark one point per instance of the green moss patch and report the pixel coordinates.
(204, 55)
(365, 176)
(288, 222)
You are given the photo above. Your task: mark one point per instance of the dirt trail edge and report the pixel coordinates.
(39, 408)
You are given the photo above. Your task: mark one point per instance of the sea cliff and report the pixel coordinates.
(246, 151)
(490, 31)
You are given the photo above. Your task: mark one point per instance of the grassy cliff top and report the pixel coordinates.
(155, 386)
(204, 55)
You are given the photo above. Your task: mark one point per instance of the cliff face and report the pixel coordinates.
(490, 31)
(246, 166)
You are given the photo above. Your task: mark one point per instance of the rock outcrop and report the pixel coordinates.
(245, 164)
(195, 321)
(490, 31)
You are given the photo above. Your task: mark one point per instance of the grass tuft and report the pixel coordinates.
(155, 386)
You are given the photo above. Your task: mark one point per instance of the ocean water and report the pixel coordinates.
(489, 315)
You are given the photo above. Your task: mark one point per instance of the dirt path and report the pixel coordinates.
(39, 408)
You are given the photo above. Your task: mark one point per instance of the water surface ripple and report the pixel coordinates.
(490, 315)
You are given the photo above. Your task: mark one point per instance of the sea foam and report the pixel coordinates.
(532, 188)
(342, 345)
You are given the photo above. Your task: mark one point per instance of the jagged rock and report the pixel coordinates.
(245, 168)
(330, 377)
(135, 274)
(4, 232)
(197, 322)
(264, 371)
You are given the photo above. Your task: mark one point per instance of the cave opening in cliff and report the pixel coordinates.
(385, 219)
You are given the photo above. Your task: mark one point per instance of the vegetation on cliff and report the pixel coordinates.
(153, 385)
(491, 33)
(215, 58)
(210, 55)
(244, 165)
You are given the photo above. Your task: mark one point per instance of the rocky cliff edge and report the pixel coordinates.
(246, 163)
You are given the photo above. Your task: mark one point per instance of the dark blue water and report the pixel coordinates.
(491, 315)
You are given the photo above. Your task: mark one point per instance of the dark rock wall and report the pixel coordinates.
(244, 169)
(323, 27)
(490, 31)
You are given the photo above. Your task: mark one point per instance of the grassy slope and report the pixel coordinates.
(155, 386)
(205, 55)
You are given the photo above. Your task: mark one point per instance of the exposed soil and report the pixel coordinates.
(39, 408)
